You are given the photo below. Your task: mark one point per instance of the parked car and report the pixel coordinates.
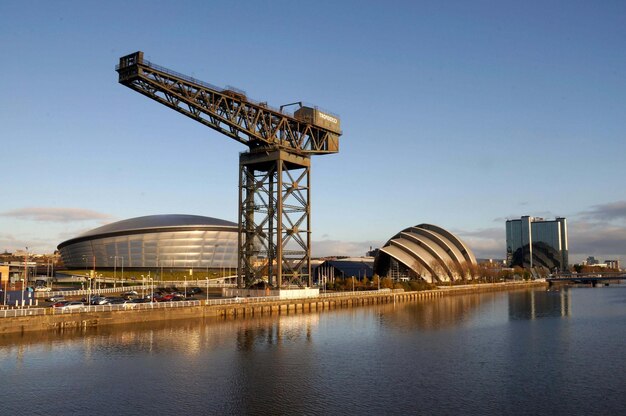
(194, 290)
(73, 305)
(54, 299)
(129, 294)
(165, 298)
(99, 300)
(124, 302)
(60, 303)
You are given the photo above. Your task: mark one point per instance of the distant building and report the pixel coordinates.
(612, 264)
(592, 261)
(535, 242)
(358, 268)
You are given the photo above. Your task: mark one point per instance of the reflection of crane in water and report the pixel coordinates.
(275, 332)
(274, 175)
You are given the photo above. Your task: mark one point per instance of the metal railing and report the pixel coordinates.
(360, 293)
(9, 313)
(157, 285)
(85, 292)
(125, 307)
(15, 313)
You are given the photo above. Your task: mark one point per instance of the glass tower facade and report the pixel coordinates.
(535, 242)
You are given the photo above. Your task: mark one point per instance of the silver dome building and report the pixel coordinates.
(172, 241)
(426, 252)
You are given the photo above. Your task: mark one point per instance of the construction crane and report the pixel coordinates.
(274, 174)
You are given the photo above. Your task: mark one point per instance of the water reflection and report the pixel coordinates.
(479, 353)
(270, 351)
(434, 314)
(534, 304)
(262, 332)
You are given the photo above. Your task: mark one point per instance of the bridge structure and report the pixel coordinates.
(592, 279)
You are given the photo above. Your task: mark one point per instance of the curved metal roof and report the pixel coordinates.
(431, 252)
(153, 223)
(158, 221)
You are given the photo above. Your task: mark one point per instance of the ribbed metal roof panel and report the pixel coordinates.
(158, 221)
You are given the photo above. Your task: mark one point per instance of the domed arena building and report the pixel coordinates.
(172, 241)
(425, 252)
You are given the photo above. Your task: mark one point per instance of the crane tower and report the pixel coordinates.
(274, 174)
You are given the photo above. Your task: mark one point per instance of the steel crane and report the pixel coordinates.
(274, 174)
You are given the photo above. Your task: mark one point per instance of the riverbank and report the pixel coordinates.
(240, 308)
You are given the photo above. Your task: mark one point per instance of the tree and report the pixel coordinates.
(419, 269)
(376, 281)
(387, 283)
(439, 270)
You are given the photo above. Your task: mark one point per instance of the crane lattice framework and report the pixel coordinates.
(274, 174)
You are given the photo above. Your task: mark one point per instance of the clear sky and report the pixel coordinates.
(460, 114)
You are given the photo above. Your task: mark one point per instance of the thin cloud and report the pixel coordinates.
(10, 243)
(606, 212)
(488, 233)
(589, 238)
(486, 243)
(62, 215)
(342, 248)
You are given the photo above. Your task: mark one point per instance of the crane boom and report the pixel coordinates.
(309, 131)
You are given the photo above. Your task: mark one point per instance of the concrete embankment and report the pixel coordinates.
(245, 308)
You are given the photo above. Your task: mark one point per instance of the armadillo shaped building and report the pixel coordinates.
(427, 252)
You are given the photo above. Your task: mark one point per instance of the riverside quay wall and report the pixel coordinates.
(47, 319)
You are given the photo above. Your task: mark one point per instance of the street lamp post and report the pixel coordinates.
(25, 273)
(22, 305)
(213, 257)
(114, 270)
(6, 289)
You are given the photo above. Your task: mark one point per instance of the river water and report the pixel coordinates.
(523, 352)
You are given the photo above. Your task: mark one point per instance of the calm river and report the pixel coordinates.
(532, 352)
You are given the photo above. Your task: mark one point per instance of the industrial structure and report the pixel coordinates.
(359, 267)
(153, 242)
(274, 176)
(425, 252)
(536, 242)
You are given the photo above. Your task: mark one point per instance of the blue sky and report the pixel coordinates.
(460, 114)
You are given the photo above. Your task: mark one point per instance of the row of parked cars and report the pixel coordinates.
(129, 298)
